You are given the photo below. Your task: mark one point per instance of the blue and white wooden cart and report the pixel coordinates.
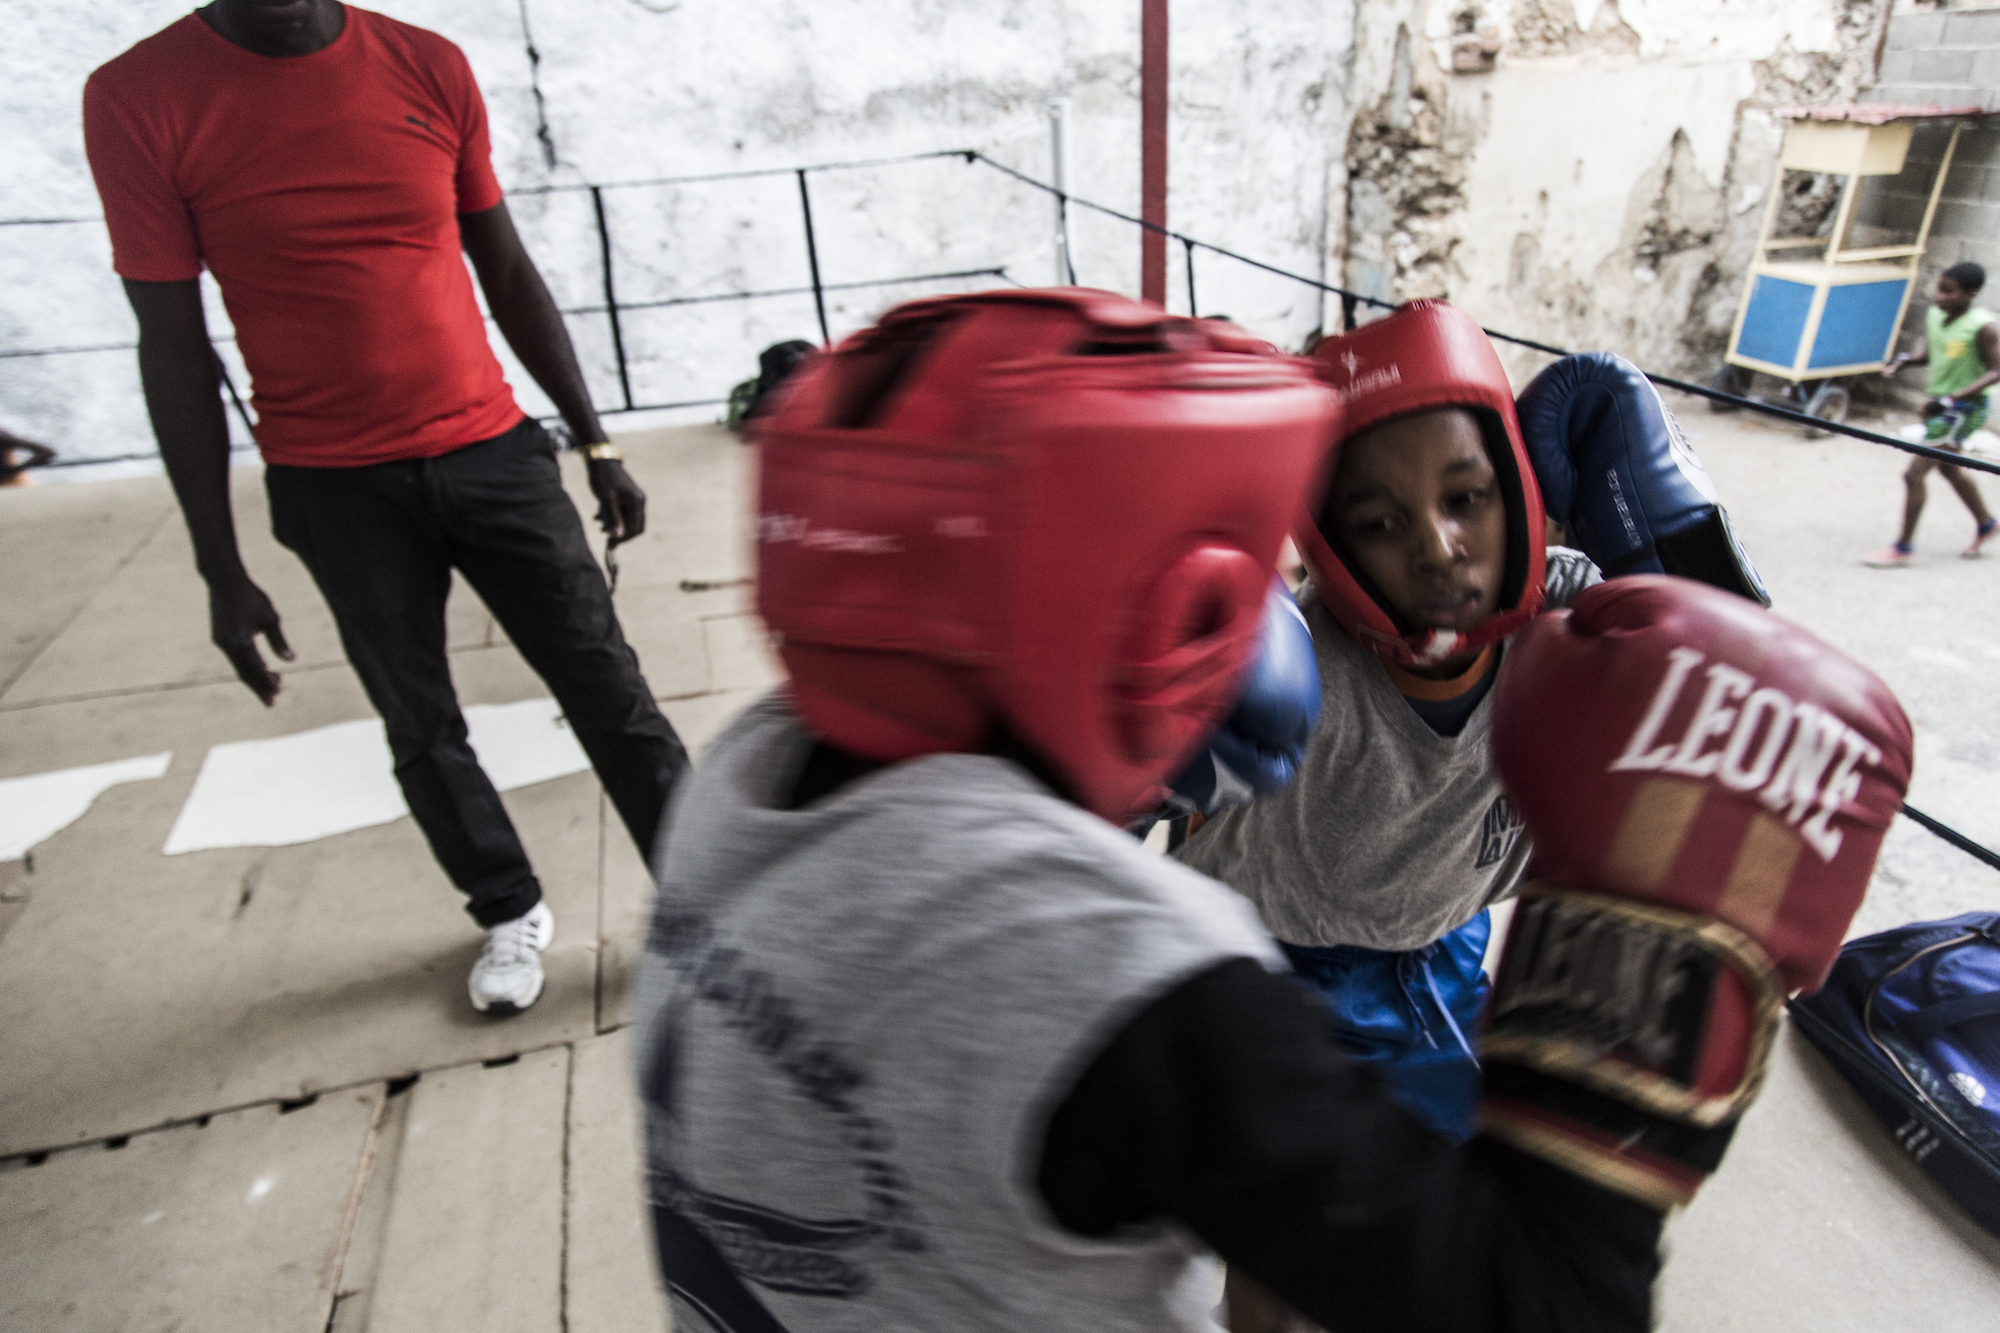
(1814, 310)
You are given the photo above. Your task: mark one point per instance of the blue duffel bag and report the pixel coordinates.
(1911, 1017)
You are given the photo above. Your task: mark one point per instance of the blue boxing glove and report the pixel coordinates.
(1263, 740)
(1617, 473)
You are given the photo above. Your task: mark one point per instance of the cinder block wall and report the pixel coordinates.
(1948, 57)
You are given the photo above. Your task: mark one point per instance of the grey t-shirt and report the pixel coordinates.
(856, 1019)
(1391, 835)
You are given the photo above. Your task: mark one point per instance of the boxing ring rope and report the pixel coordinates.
(1978, 851)
(747, 173)
(613, 308)
(1350, 302)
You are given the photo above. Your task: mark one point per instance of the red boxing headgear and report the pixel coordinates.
(1426, 355)
(1053, 512)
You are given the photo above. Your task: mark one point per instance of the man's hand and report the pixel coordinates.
(238, 612)
(18, 455)
(621, 504)
(1896, 363)
(178, 370)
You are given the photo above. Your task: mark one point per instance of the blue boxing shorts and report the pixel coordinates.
(1414, 1015)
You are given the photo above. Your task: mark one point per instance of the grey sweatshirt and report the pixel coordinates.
(1391, 835)
(856, 1020)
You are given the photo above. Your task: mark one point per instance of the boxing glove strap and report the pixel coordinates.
(1617, 995)
(1615, 1152)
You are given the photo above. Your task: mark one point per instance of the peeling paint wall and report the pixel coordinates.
(1408, 152)
(1598, 180)
(600, 91)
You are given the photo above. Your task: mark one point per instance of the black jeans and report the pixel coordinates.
(381, 542)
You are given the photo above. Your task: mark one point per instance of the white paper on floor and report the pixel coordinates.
(294, 789)
(37, 807)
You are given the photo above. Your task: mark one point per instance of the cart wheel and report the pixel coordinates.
(1829, 402)
(1729, 379)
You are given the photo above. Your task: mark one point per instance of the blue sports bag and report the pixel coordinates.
(1911, 1018)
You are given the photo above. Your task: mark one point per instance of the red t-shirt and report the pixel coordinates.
(323, 192)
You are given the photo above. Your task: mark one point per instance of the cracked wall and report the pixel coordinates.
(1407, 152)
(1598, 178)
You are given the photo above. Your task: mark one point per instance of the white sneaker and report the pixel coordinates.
(508, 976)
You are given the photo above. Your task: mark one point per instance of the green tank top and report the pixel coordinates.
(1955, 359)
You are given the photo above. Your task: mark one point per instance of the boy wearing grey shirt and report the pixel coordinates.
(1374, 869)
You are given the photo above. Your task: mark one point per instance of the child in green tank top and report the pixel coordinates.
(1963, 353)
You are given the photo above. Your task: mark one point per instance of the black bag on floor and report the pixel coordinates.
(775, 365)
(1911, 1018)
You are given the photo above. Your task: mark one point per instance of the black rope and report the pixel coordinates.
(152, 457)
(672, 301)
(84, 348)
(1944, 456)
(704, 178)
(663, 407)
(1951, 835)
(698, 178)
(67, 351)
(229, 387)
(1350, 299)
(663, 304)
(973, 155)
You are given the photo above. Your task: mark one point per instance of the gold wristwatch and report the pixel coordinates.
(603, 452)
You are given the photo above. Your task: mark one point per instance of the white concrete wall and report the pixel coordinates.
(1600, 186)
(636, 89)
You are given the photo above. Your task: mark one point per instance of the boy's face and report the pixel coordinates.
(1951, 298)
(1417, 505)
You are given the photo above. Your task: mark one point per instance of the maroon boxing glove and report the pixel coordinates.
(1707, 787)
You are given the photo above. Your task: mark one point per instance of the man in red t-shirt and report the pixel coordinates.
(327, 164)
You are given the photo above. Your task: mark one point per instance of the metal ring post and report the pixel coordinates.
(611, 294)
(812, 257)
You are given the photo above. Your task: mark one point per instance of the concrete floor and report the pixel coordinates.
(291, 1117)
(208, 1115)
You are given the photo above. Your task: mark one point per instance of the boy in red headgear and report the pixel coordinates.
(1426, 548)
